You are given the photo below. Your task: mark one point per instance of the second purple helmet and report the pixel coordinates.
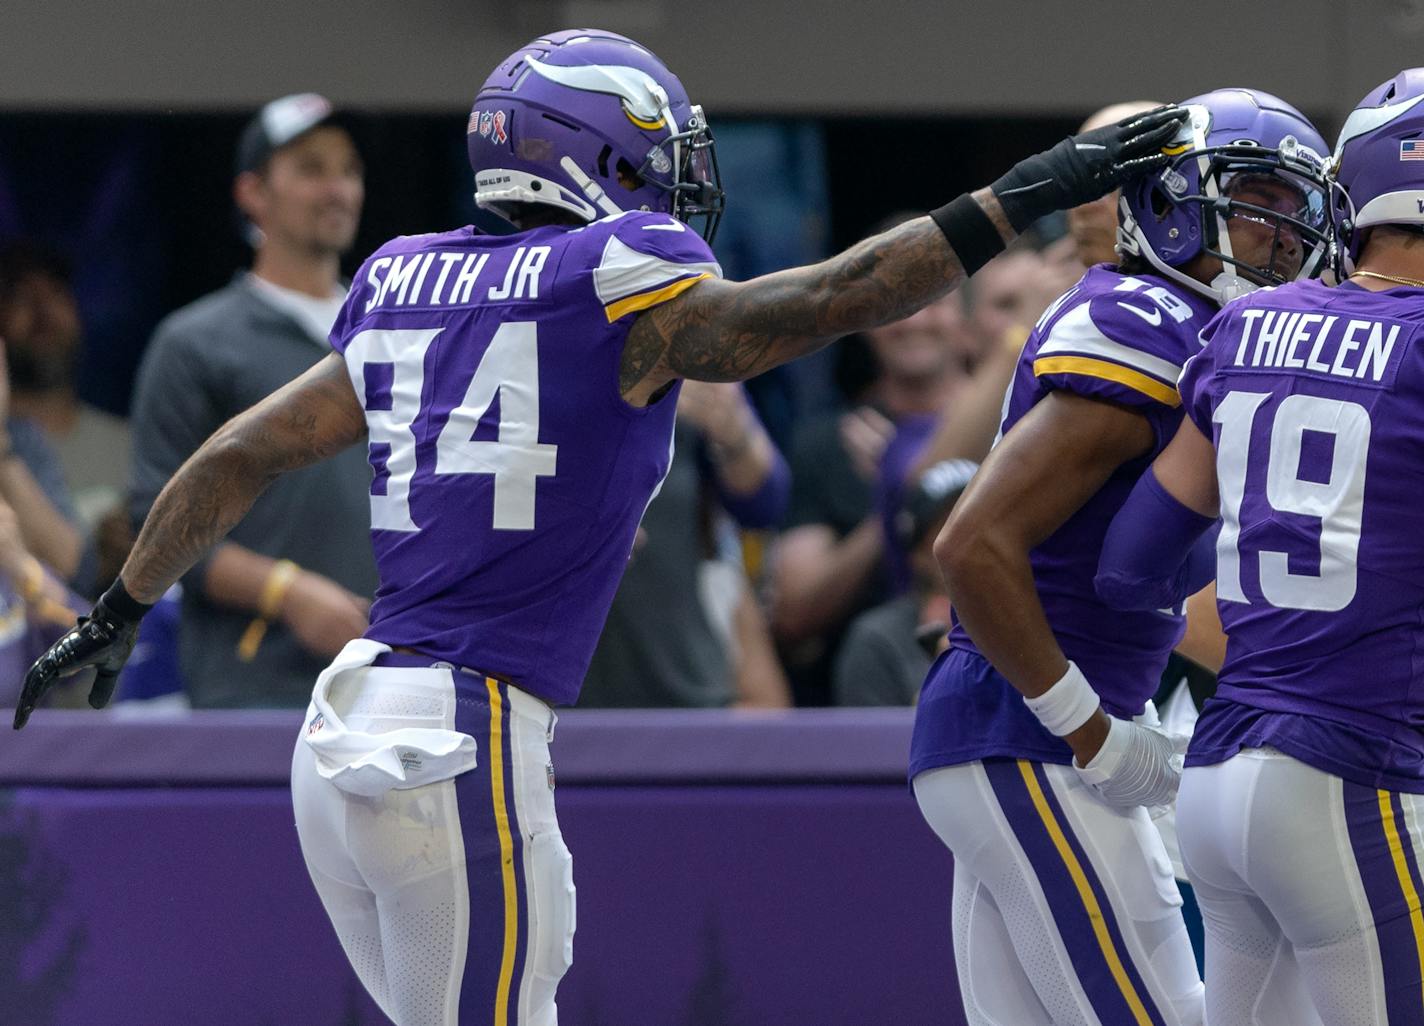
(592, 123)
(1171, 216)
(1378, 168)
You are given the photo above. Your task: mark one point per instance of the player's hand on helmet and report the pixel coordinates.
(322, 615)
(102, 640)
(1086, 166)
(1138, 764)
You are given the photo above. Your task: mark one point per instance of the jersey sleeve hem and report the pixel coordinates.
(1102, 370)
(652, 298)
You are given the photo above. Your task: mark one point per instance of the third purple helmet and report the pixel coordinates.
(1378, 168)
(1233, 137)
(592, 123)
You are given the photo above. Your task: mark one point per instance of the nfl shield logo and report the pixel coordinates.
(1411, 149)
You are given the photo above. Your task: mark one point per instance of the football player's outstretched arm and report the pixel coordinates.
(313, 417)
(730, 331)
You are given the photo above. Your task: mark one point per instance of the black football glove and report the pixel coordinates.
(1084, 167)
(103, 640)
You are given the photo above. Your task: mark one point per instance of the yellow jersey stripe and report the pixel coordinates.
(1134, 380)
(506, 853)
(646, 299)
(1085, 892)
(1406, 881)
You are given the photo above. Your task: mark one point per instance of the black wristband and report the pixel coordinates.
(971, 234)
(118, 601)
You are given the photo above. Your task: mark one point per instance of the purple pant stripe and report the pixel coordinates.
(1394, 926)
(484, 865)
(1065, 902)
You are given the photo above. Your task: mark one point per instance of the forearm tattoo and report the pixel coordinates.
(310, 419)
(730, 331)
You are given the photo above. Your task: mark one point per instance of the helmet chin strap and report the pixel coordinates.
(590, 188)
(1229, 285)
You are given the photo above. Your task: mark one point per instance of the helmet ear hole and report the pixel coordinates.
(1161, 204)
(628, 176)
(603, 161)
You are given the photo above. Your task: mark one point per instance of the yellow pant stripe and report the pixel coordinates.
(1085, 892)
(1406, 881)
(506, 853)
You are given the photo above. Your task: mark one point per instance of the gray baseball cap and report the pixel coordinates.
(280, 122)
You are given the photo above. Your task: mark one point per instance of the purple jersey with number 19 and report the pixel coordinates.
(509, 475)
(1314, 398)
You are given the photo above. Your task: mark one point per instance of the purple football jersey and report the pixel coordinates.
(1314, 398)
(1123, 340)
(509, 475)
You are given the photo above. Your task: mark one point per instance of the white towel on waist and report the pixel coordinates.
(369, 764)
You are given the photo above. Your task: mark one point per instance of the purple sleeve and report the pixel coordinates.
(1151, 558)
(1107, 348)
(649, 259)
(765, 507)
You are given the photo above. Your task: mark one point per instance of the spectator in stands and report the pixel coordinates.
(685, 628)
(830, 563)
(35, 609)
(1008, 293)
(888, 649)
(1004, 298)
(268, 608)
(32, 483)
(39, 320)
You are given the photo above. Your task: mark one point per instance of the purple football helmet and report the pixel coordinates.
(1378, 169)
(590, 122)
(1233, 140)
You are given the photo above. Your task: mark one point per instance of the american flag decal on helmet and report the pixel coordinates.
(1411, 149)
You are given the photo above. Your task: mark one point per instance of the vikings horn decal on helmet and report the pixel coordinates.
(1234, 138)
(1377, 174)
(590, 122)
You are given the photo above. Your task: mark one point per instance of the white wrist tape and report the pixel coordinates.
(1067, 705)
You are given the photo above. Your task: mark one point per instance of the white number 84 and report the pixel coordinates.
(509, 369)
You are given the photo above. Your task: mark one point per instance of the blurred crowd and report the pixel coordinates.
(768, 571)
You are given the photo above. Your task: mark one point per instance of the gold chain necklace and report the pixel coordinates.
(1389, 277)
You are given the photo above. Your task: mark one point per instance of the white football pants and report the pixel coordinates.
(453, 900)
(1310, 890)
(1066, 912)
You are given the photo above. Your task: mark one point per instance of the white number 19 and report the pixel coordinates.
(1338, 502)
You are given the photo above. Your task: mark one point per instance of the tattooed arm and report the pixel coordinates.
(313, 417)
(729, 331)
